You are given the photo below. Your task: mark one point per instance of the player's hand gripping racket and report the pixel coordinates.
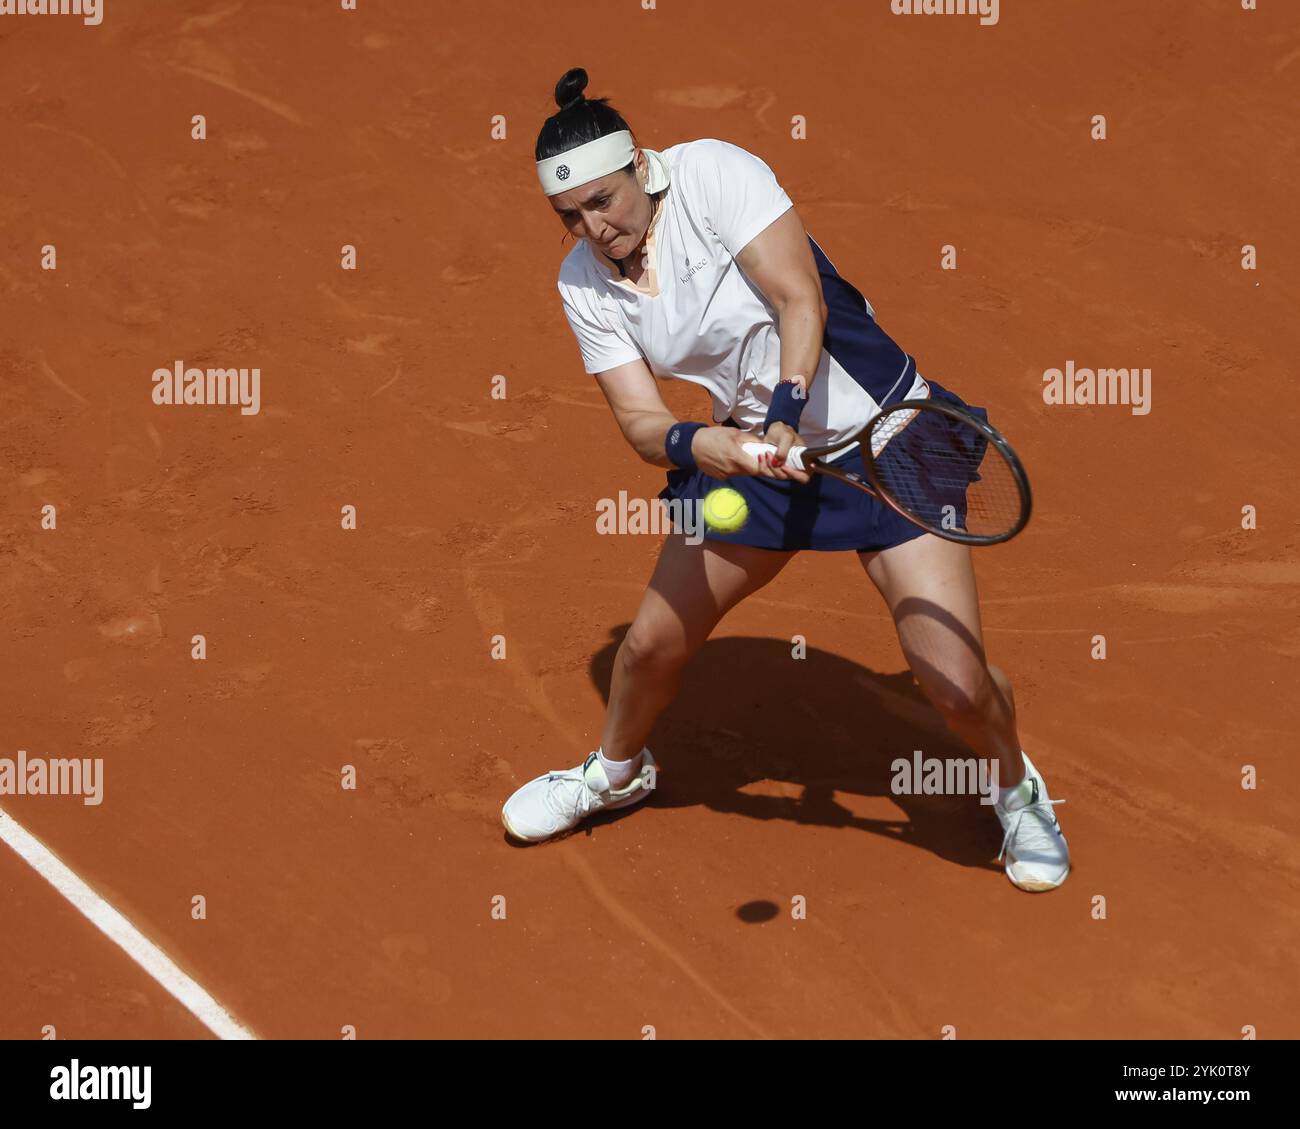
(942, 468)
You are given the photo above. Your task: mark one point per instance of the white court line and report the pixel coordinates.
(121, 932)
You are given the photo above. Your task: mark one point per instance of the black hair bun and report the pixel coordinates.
(568, 91)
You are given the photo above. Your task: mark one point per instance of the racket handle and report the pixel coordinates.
(794, 458)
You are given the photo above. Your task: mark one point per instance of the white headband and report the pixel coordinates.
(599, 158)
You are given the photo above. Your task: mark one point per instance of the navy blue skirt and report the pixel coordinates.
(823, 514)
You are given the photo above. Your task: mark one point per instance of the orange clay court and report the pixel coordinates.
(373, 908)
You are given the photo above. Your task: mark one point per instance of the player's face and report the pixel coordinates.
(611, 213)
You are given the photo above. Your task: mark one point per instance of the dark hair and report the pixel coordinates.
(579, 120)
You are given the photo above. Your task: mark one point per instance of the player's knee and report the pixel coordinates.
(961, 696)
(646, 650)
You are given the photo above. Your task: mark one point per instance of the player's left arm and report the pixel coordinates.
(779, 261)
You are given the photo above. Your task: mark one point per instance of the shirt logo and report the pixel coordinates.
(691, 271)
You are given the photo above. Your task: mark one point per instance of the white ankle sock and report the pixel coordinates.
(620, 773)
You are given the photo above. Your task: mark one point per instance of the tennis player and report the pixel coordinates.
(692, 264)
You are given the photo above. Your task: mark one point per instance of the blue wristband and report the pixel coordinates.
(677, 443)
(788, 402)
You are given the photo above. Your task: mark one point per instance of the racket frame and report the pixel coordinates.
(813, 459)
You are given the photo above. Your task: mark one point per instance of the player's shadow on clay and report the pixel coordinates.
(749, 712)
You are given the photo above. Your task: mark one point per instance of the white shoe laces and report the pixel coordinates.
(1038, 834)
(565, 803)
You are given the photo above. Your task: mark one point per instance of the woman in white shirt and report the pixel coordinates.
(692, 264)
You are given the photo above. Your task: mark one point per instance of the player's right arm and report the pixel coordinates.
(644, 419)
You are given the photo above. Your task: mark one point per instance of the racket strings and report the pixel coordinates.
(947, 475)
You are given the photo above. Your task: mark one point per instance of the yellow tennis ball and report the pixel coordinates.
(725, 510)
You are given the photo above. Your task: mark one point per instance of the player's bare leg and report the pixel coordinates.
(692, 588)
(929, 586)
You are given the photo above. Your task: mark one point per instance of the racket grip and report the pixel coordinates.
(794, 458)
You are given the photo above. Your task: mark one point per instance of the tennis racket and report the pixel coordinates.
(944, 469)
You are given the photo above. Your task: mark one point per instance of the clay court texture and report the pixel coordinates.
(326, 907)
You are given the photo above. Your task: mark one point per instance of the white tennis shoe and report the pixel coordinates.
(1036, 855)
(558, 801)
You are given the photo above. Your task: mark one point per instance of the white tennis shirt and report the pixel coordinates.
(709, 324)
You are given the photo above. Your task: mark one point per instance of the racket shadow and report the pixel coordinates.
(747, 713)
